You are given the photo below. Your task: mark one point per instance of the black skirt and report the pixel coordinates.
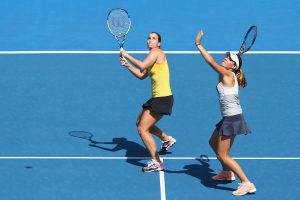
(160, 105)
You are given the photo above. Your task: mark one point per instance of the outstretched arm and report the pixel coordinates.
(207, 57)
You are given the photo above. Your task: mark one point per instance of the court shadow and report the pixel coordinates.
(202, 172)
(164, 153)
(133, 151)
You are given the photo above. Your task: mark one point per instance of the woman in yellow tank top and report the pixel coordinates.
(155, 65)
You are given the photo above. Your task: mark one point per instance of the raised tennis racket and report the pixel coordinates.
(249, 40)
(118, 22)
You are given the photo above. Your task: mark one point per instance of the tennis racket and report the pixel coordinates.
(83, 135)
(118, 22)
(249, 40)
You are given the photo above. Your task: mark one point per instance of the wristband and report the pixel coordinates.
(197, 44)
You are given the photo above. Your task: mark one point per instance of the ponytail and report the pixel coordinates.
(241, 78)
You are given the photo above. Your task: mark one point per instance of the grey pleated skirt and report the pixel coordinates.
(233, 125)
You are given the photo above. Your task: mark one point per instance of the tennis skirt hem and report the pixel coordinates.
(160, 105)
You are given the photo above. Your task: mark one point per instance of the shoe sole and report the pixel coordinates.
(155, 170)
(171, 145)
(224, 179)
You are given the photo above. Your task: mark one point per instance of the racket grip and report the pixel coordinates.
(121, 49)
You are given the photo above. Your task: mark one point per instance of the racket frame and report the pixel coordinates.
(242, 48)
(123, 37)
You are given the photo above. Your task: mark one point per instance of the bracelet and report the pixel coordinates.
(197, 44)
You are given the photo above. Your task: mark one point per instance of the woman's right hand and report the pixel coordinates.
(123, 61)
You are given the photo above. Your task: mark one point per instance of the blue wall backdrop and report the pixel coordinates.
(81, 25)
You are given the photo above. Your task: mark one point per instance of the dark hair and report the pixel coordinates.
(158, 35)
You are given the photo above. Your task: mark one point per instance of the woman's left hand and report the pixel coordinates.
(123, 53)
(199, 37)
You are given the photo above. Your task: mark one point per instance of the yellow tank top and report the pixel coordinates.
(160, 79)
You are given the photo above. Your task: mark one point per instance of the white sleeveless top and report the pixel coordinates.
(229, 99)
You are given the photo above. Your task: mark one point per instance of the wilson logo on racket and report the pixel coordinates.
(118, 22)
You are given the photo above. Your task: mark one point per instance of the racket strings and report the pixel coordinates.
(119, 23)
(248, 40)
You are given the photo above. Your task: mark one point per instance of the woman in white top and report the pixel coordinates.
(230, 78)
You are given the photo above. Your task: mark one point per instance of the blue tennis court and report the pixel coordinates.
(60, 72)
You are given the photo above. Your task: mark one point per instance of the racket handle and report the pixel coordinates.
(121, 49)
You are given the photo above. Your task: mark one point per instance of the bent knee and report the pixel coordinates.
(222, 157)
(141, 129)
(211, 143)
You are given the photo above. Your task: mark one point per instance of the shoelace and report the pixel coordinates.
(240, 185)
(149, 163)
(243, 184)
(165, 144)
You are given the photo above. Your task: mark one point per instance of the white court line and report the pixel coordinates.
(162, 184)
(135, 158)
(161, 173)
(141, 52)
